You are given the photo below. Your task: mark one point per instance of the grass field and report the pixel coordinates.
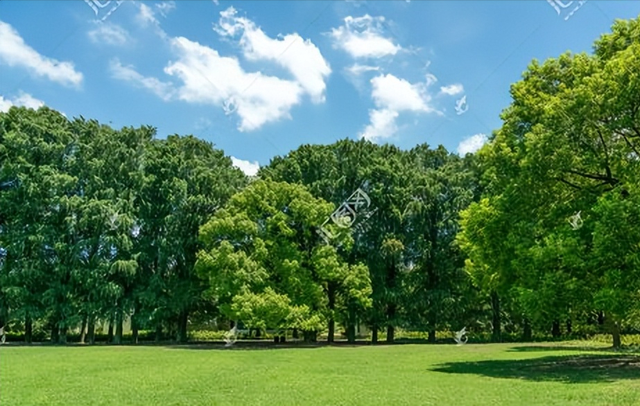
(484, 374)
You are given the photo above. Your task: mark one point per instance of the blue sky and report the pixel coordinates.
(259, 79)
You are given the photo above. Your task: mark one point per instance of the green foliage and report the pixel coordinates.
(569, 144)
(267, 267)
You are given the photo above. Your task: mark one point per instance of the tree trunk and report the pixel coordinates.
(390, 334)
(433, 321)
(110, 332)
(28, 329)
(351, 324)
(331, 293)
(134, 329)
(614, 328)
(294, 335)
(63, 335)
(555, 329)
(310, 336)
(91, 330)
(55, 334)
(527, 331)
(83, 334)
(496, 321)
(183, 319)
(117, 339)
(391, 314)
(158, 332)
(617, 341)
(569, 326)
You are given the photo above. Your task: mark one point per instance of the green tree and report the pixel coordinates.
(569, 145)
(186, 181)
(267, 266)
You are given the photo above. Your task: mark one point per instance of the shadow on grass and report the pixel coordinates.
(267, 345)
(538, 348)
(258, 344)
(570, 369)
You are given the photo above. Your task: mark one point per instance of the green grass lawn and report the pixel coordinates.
(443, 375)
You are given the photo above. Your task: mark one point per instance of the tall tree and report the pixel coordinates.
(567, 152)
(267, 266)
(187, 181)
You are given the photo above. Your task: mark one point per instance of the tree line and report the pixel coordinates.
(537, 232)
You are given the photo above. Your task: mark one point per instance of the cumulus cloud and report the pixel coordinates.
(249, 168)
(107, 33)
(472, 144)
(399, 95)
(391, 96)
(23, 99)
(15, 52)
(201, 75)
(382, 125)
(164, 90)
(363, 37)
(298, 56)
(211, 78)
(452, 90)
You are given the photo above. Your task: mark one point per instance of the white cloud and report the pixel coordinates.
(147, 17)
(357, 69)
(210, 78)
(24, 99)
(383, 125)
(15, 52)
(107, 33)
(472, 144)
(452, 90)
(164, 90)
(399, 95)
(362, 37)
(295, 54)
(356, 74)
(204, 76)
(391, 96)
(249, 168)
(166, 7)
